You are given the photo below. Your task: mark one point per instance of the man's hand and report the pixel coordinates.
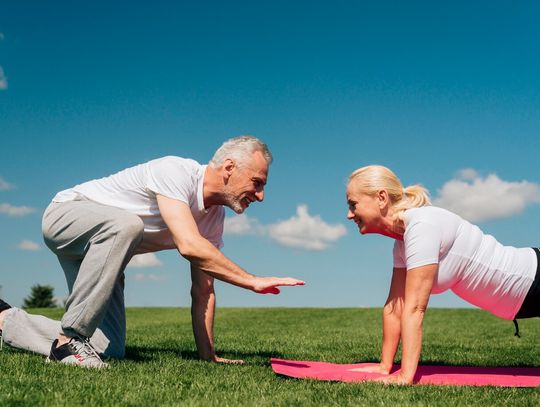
(269, 285)
(217, 359)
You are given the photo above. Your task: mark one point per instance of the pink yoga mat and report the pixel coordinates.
(438, 375)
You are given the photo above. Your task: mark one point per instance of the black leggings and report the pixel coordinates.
(531, 306)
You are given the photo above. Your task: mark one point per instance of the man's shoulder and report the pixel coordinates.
(175, 160)
(174, 165)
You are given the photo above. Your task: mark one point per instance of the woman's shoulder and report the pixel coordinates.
(430, 214)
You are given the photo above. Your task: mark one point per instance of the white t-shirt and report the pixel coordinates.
(134, 189)
(473, 265)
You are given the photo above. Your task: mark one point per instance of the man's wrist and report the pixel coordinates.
(209, 357)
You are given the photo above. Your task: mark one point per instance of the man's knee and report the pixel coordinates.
(131, 227)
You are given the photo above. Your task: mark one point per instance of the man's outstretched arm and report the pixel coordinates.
(204, 256)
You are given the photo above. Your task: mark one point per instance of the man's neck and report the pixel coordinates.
(212, 187)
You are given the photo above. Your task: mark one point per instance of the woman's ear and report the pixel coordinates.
(383, 198)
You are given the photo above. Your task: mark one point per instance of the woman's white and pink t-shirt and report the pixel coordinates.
(472, 264)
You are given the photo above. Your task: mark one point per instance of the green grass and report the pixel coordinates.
(161, 367)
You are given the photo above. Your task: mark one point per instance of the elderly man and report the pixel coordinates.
(96, 227)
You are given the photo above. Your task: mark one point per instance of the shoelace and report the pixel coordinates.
(86, 350)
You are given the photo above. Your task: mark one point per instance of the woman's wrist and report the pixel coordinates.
(385, 367)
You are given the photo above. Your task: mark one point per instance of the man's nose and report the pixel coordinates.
(259, 195)
(350, 215)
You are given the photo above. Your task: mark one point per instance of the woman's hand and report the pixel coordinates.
(375, 368)
(395, 379)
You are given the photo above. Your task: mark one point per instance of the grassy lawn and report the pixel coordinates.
(161, 367)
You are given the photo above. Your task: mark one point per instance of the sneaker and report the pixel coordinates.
(76, 352)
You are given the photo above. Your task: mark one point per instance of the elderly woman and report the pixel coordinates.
(435, 250)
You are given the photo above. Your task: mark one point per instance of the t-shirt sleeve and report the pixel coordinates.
(422, 243)
(399, 260)
(171, 178)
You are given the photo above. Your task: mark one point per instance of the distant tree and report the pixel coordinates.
(40, 297)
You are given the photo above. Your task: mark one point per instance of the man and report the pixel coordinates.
(96, 227)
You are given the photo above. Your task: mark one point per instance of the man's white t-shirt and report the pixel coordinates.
(134, 189)
(472, 264)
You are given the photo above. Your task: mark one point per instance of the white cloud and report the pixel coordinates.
(242, 225)
(144, 260)
(28, 245)
(4, 185)
(304, 231)
(3, 80)
(11, 210)
(468, 174)
(148, 277)
(478, 198)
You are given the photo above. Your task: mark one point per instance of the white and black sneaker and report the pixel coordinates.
(77, 352)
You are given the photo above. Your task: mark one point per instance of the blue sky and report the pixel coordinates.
(447, 95)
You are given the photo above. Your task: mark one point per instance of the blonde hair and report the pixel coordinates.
(373, 178)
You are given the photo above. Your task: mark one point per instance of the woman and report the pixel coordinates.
(435, 250)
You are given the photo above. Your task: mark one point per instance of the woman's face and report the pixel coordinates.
(364, 210)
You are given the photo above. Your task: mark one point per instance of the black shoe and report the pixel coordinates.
(76, 352)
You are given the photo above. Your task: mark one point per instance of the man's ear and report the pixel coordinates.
(228, 168)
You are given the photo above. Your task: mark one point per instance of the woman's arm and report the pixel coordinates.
(418, 284)
(392, 319)
(391, 324)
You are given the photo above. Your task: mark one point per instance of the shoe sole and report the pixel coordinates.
(49, 360)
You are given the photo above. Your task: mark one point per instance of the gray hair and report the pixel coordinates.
(240, 149)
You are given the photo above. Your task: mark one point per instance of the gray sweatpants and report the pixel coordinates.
(93, 243)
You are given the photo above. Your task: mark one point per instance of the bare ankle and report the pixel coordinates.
(62, 340)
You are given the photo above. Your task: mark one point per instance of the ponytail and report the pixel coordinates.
(414, 196)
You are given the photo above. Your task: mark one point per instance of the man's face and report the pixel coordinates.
(246, 183)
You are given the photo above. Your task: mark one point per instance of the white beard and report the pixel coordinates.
(233, 202)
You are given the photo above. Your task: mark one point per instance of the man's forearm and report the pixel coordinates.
(205, 257)
(203, 305)
(202, 317)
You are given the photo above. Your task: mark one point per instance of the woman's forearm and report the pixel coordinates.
(391, 336)
(411, 334)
